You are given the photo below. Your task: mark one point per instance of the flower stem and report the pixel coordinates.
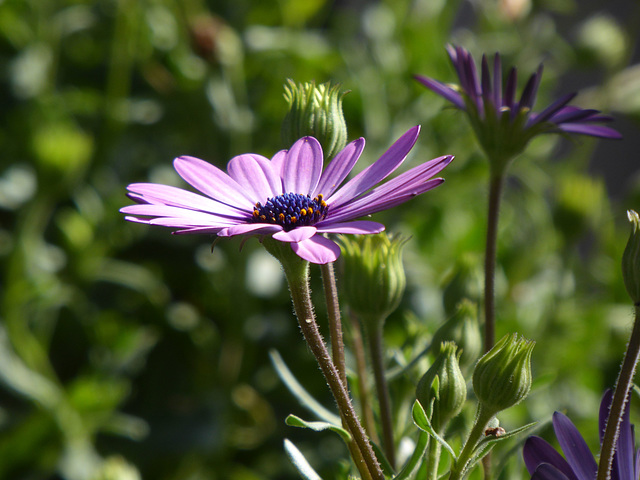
(433, 458)
(377, 360)
(363, 387)
(459, 468)
(337, 349)
(297, 273)
(495, 191)
(335, 322)
(620, 396)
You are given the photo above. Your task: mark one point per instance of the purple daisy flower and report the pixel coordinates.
(288, 197)
(503, 125)
(545, 463)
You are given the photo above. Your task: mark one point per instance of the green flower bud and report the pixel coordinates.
(315, 111)
(374, 278)
(448, 392)
(464, 281)
(463, 329)
(631, 259)
(502, 377)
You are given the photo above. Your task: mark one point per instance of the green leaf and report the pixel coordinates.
(294, 421)
(301, 463)
(421, 420)
(298, 391)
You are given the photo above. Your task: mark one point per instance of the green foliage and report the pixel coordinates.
(126, 349)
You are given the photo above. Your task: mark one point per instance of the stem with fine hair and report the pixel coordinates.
(620, 397)
(374, 335)
(296, 272)
(458, 469)
(335, 322)
(337, 347)
(495, 191)
(363, 388)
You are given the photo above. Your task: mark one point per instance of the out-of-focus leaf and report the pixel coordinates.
(294, 421)
(301, 463)
(305, 399)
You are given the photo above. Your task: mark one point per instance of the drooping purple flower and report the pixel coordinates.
(503, 124)
(288, 197)
(544, 463)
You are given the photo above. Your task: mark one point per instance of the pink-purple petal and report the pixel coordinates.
(339, 168)
(256, 175)
(317, 249)
(159, 210)
(212, 181)
(277, 162)
(298, 234)
(250, 228)
(358, 227)
(177, 197)
(302, 166)
(373, 174)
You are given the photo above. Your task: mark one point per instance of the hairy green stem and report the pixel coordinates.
(377, 360)
(458, 469)
(620, 396)
(495, 191)
(363, 387)
(337, 349)
(335, 321)
(433, 458)
(297, 274)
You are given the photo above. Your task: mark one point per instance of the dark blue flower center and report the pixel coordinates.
(291, 210)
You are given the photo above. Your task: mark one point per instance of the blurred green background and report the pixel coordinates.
(126, 352)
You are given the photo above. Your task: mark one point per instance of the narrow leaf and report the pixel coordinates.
(412, 463)
(301, 463)
(294, 421)
(298, 391)
(422, 422)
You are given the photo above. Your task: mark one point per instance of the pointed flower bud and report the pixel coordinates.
(463, 329)
(315, 111)
(631, 259)
(374, 278)
(502, 377)
(444, 385)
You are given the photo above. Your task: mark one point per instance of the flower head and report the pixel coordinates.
(544, 462)
(504, 125)
(288, 197)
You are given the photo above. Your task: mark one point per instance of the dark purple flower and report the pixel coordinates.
(545, 463)
(288, 197)
(502, 124)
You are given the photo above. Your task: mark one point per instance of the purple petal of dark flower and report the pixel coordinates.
(443, 90)
(547, 472)
(574, 447)
(537, 451)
